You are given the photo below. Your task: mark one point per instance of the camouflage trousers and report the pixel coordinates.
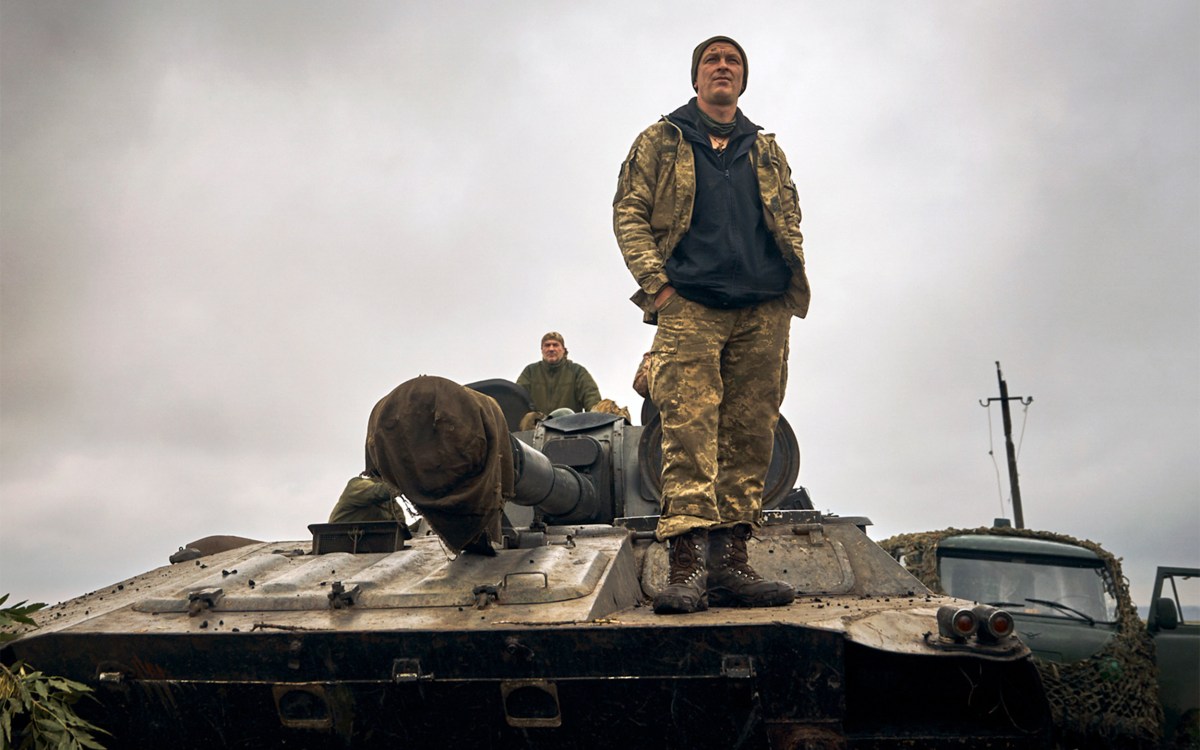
(717, 378)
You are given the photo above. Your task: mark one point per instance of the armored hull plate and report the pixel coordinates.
(553, 646)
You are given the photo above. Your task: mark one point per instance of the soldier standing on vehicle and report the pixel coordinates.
(707, 219)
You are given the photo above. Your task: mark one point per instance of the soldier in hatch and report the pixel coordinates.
(366, 499)
(556, 382)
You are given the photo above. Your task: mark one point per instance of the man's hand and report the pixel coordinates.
(663, 295)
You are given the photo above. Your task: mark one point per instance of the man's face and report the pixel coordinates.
(719, 75)
(552, 351)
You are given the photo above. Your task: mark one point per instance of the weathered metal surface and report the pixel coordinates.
(548, 644)
(561, 654)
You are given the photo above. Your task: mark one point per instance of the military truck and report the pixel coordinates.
(1072, 607)
(1173, 621)
(378, 634)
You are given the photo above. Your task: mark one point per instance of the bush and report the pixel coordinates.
(37, 710)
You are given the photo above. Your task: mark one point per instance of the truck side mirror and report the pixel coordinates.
(1165, 617)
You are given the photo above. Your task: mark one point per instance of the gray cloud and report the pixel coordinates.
(226, 229)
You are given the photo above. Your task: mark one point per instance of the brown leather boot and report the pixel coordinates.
(731, 580)
(686, 587)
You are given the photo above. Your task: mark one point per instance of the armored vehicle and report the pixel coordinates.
(376, 634)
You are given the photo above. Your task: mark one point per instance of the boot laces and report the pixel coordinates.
(686, 562)
(737, 557)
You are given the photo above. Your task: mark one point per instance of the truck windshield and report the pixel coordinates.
(1081, 590)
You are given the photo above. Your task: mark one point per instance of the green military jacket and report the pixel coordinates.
(652, 209)
(567, 384)
(366, 500)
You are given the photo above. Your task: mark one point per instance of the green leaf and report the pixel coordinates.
(16, 619)
(20, 611)
(47, 702)
(50, 724)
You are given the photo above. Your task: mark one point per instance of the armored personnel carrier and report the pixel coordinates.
(376, 634)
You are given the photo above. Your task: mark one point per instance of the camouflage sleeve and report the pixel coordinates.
(632, 208)
(586, 389)
(790, 200)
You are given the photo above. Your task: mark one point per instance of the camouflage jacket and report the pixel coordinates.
(652, 209)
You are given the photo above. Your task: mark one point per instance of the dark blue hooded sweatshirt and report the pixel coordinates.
(727, 258)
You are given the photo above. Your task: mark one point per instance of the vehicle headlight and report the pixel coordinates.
(956, 623)
(994, 624)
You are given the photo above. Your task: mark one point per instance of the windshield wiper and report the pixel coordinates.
(1087, 618)
(1006, 604)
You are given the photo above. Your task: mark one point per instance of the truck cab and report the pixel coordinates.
(1061, 596)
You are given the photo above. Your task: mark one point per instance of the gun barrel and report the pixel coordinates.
(559, 491)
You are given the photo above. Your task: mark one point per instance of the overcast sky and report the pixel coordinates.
(228, 228)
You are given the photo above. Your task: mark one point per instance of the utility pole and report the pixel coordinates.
(1018, 515)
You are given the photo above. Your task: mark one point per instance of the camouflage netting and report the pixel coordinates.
(1109, 699)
